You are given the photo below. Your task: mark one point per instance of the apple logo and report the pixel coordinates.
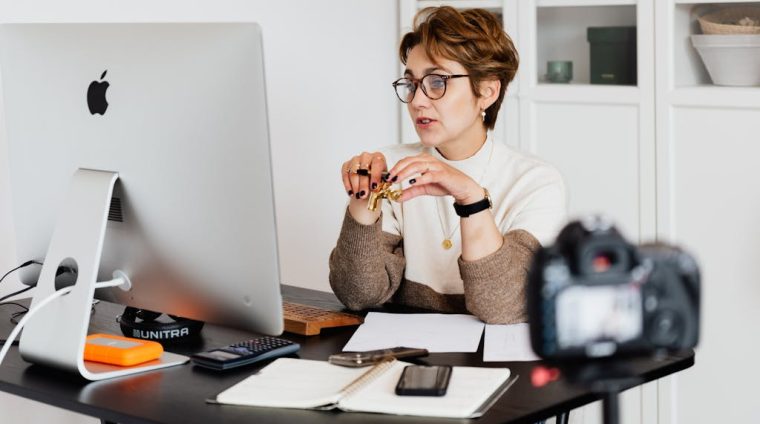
(96, 96)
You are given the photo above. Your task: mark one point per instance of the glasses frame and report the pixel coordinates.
(417, 82)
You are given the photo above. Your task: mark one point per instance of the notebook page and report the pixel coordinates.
(292, 383)
(469, 388)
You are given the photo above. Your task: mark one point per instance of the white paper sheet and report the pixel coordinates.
(434, 332)
(508, 343)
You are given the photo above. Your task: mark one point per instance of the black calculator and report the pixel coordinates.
(244, 353)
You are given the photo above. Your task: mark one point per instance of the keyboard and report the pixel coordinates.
(310, 320)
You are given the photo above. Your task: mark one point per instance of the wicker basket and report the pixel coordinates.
(727, 21)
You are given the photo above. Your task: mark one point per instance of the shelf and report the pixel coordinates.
(462, 4)
(561, 33)
(586, 93)
(716, 96)
(576, 3)
(688, 68)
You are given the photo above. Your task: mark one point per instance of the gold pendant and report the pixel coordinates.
(447, 244)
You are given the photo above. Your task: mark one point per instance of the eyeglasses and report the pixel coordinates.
(433, 85)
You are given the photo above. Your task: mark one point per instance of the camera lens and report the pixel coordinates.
(666, 328)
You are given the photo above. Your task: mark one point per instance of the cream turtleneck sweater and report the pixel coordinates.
(401, 258)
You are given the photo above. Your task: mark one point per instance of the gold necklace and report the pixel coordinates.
(447, 236)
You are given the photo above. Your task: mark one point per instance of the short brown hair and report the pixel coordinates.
(475, 38)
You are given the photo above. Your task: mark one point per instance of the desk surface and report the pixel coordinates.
(176, 395)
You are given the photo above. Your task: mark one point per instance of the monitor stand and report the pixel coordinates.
(55, 336)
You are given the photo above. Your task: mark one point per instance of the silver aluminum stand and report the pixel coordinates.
(56, 335)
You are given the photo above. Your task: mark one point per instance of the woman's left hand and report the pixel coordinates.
(434, 178)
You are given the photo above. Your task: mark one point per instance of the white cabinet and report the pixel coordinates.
(601, 137)
(709, 200)
(673, 157)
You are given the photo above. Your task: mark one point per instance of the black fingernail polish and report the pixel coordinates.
(374, 186)
(350, 192)
(361, 193)
(412, 181)
(384, 177)
(357, 195)
(393, 180)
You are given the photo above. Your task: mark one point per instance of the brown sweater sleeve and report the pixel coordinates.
(495, 286)
(367, 264)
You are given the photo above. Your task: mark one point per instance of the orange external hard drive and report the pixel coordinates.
(123, 351)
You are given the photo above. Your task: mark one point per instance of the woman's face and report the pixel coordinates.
(453, 120)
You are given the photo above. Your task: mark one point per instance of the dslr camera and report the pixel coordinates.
(594, 295)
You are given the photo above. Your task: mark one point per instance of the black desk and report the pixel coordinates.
(176, 395)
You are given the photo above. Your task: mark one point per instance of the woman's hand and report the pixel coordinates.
(361, 174)
(480, 235)
(435, 178)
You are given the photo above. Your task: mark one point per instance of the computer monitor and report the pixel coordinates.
(178, 111)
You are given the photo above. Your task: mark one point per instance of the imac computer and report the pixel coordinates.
(140, 151)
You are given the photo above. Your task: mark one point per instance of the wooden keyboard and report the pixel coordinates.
(310, 320)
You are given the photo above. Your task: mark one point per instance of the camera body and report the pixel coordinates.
(594, 295)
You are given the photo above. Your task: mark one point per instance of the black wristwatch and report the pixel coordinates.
(466, 210)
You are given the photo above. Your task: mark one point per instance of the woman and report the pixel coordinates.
(423, 251)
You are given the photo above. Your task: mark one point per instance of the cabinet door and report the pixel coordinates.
(596, 148)
(709, 202)
(600, 137)
(712, 204)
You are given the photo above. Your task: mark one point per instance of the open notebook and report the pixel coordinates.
(307, 384)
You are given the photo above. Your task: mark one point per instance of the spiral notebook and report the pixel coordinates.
(307, 384)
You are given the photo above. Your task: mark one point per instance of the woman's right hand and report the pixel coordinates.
(362, 174)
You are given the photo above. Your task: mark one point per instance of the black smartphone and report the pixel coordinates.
(424, 380)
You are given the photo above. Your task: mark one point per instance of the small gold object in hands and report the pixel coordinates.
(382, 192)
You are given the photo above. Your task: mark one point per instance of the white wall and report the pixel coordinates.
(318, 55)
(329, 65)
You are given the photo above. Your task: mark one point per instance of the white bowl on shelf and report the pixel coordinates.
(732, 60)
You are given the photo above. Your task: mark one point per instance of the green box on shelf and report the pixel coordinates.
(613, 55)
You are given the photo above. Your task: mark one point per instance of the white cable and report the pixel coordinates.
(9, 342)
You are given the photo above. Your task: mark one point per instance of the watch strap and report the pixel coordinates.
(470, 209)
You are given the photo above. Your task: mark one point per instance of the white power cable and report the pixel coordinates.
(119, 281)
